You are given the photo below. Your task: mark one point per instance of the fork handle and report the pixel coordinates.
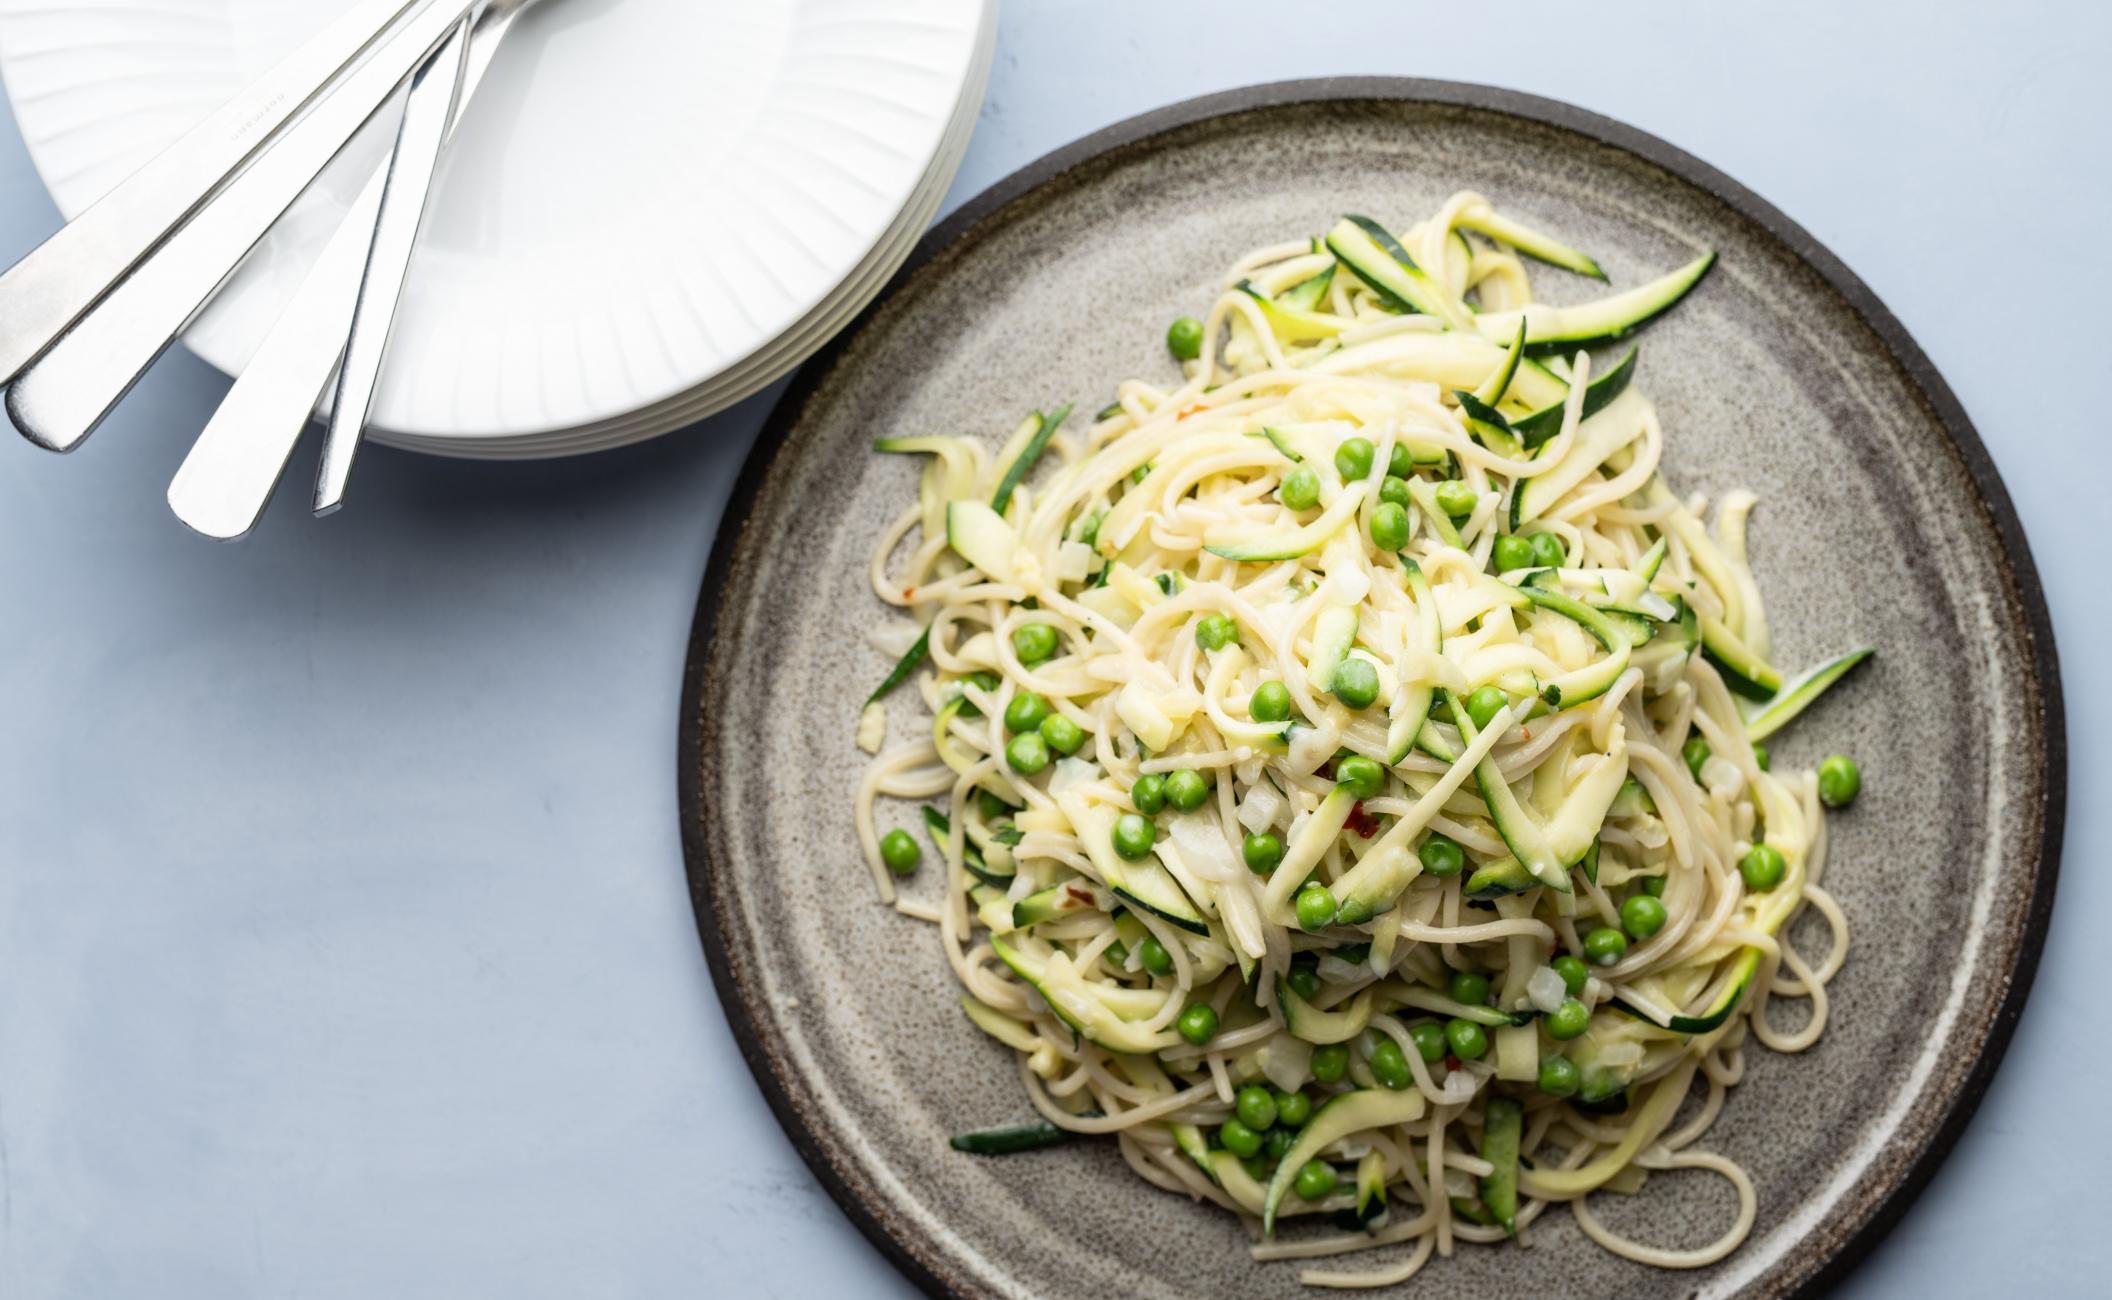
(59, 280)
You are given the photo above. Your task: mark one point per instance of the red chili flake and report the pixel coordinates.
(1188, 411)
(1082, 897)
(1451, 1063)
(909, 593)
(1362, 824)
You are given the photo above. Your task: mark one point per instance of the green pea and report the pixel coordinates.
(1148, 794)
(1134, 835)
(1389, 527)
(1364, 776)
(1314, 1181)
(1330, 1063)
(1441, 855)
(1300, 490)
(1316, 907)
(1293, 1109)
(1394, 492)
(990, 805)
(1696, 751)
(1573, 972)
(1547, 550)
(1559, 1077)
(1026, 712)
(1259, 1167)
(898, 849)
(1389, 1065)
(1353, 458)
(1429, 1038)
(1261, 852)
(1064, 736)
(1469, 987)
(1484, 703)
(1456, 498)
(1153, 957)
(1512, 552)
(1400, 462)
(1089, 528)
(1605, 946)
(1763, 867)
(1034, 642)
(1187, 789)
(1568, 1020)
(1642, 916)
(1197, 1024)
(985, 681)
(1271, 702)
(1468, 1040)
(1216, 632)
(1184, 338)
(1840, 781)
(1304, 981)
(1654, 886)
(1027, 753)
(1140, 473)
(1239, 1137)
(1760, 758)
(1357, 683)
(1256, 1107)
(1275, 1145)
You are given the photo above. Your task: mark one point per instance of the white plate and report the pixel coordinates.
(646, 194)
(778, 358)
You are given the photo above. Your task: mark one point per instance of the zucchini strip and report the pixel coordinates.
(1028, 455)
(1539, 247)
(1012, 1139)
(918, 652)
(1801, 694)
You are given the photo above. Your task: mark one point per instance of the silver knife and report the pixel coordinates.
(426, 114)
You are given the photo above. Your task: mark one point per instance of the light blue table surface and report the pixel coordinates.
(344, 944)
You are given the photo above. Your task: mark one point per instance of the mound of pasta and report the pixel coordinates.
(1346, 764)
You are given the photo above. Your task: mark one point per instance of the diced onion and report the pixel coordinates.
(1545, 990)
(1312, 747)
(1203, 848)
(1258, 811)
(1074, 562)
(1287, 1062)
(1722, 777)
(1616, 1056)
(1460, 1086)
(894, 639)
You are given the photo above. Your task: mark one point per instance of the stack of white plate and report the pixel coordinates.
(653, 209)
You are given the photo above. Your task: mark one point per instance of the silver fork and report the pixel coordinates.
(235, 465)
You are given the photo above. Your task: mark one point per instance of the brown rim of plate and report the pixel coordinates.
(1878, 1215)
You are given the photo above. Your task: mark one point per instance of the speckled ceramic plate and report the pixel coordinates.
(1782, 373)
